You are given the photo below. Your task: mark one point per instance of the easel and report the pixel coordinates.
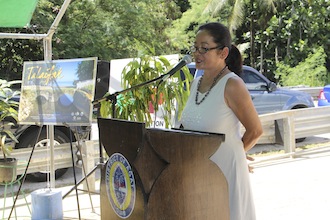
(51, 183)
(68, 107)
(76, 184)
(24, 175)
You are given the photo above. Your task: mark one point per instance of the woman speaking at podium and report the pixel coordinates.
(219, 102)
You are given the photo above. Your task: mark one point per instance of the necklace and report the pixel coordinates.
(208, 91)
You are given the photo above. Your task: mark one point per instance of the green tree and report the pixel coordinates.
(183, 30)
(106, 29)
(84, 70)
(294, 32)
(302, 27)
(237, 16)
(310, 72)
(13, 53)
(111, 29)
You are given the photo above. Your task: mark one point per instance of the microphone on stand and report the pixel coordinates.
(184, 61)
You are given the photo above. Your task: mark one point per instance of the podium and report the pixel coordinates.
(160, 174)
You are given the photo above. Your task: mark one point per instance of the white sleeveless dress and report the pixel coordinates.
(213, 115)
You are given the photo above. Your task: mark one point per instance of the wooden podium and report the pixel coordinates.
(160, 174)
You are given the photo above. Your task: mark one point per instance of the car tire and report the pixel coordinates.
(29, 139)
(299, 140)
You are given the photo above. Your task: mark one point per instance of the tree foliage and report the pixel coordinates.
(84, 69)
(237, 14)
(13, 53)
(110, 29)
(291, 34)
(310, 72)
(183, 30)
(106, 29)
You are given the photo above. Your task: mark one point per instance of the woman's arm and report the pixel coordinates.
(239, 100)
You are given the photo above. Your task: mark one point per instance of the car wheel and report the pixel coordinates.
(28, 140)
(299, 140)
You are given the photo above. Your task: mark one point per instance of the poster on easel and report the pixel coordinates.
(58, 92)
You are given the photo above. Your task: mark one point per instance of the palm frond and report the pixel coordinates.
(268, 5)
(237, 15)
(214, 6)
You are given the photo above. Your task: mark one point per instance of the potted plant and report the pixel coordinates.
(139, 104)
(8, 118)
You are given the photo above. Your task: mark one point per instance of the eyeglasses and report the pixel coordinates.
(203, 50)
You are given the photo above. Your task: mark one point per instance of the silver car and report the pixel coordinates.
(266, 96)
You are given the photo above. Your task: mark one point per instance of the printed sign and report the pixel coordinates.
(58, 92)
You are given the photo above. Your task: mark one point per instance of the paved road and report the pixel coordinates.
(296, 188)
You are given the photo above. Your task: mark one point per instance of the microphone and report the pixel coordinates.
(184, 61)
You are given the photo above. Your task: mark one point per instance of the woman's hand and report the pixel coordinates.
(249, 167)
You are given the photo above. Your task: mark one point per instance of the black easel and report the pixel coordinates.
(99, 165)
(25, 172)
(27, 167)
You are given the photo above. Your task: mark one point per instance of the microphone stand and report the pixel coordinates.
(113, 97)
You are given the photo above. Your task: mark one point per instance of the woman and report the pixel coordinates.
(219, 102)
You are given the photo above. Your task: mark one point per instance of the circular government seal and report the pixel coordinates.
(120, 185)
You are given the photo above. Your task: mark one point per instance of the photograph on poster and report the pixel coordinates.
(58, 92)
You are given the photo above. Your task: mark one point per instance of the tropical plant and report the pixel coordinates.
(8, 115)
(168, 96)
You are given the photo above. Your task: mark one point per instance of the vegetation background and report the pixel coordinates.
(288, 40)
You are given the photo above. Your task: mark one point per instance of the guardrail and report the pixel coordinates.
(313, 91)
(285, 127)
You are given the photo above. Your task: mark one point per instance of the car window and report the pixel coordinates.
(192, 70)
(253, 81)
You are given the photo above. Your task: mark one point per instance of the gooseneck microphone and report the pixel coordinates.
(184, 61)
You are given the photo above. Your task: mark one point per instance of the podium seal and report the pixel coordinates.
(120, 185)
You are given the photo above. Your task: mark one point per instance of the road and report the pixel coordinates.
(296, 188)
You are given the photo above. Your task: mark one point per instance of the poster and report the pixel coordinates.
(58, 92)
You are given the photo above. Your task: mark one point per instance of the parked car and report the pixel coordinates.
(324, 96)
(266, 96)
(27, 134)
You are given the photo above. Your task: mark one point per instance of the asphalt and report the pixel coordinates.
(284, 188)
(293, 188)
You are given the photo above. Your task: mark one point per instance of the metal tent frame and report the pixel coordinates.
(47, 45)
